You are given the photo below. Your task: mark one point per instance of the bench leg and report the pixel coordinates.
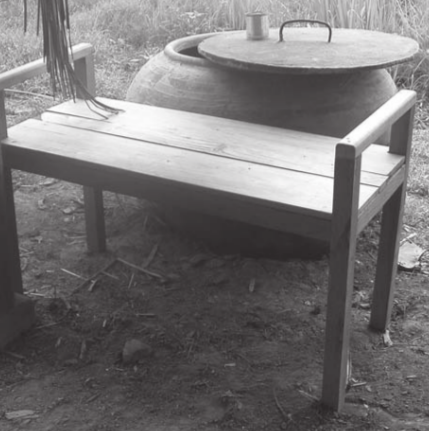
(94, 220)
(341, 276)
(338, 315)
(16, 320)
(9, 253)
(16, 311)
(384, 284)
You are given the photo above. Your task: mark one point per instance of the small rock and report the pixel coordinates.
(68, 210)
(135, 350)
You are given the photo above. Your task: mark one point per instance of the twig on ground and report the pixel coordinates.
(131, 280)
(140, 269)
(83, 350)
(97, 274)
(29, 93)
(37, 294)
(72, 274)
(411, 236)
(110, 275)
(152, 254)
(48, 325)
(285, 416)
(13, 355)
(92, 285)
(307, 395)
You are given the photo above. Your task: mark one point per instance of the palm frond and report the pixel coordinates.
(54, 18)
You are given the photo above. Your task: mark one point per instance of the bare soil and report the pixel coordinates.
(230, 342)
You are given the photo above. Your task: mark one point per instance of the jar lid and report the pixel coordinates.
(303, 50)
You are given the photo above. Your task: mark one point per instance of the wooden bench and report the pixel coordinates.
(315, 186)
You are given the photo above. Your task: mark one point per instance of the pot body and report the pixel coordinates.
(179, 78)
(333, 105)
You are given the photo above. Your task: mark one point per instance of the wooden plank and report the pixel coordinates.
(84, 68)
(341, 273)
(381, 120)
(94, 220)
(187, 196)
(9, 249)
(376, 202)
(16, 311)
(229, 138)
(35, 68)
(244, 180)
(391, 226)
(93, 198)
(6, 284)
(3, 122)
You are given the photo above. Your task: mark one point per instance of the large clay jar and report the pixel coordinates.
(328, 104)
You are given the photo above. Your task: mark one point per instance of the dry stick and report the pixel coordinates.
(139, 268)
(281, 410)
(72, 273)
(152, 254)
(110, 275)
(28, 93)
(13, 355)
(97, 274)
(131, 280)
(92, 285)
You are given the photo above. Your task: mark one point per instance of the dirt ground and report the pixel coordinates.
(225, 342)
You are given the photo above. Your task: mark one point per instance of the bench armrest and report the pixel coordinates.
(38, 67)
(376, 124)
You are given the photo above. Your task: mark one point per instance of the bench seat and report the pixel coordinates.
(200, 162)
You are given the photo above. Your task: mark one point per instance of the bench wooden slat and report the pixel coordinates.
(74, 165)
(242, 141)
(244, 180)
(372, 206)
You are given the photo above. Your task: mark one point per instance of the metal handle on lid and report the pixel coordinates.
(311, 21)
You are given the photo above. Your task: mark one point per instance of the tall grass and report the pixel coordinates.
(126, 32)
(407, 17)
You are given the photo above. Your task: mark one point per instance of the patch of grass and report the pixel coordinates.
(406, 17)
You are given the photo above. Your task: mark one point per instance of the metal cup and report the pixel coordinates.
(257, 27)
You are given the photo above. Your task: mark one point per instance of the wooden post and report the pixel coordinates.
(341, 273)
(16, 311)
(94, 220)
(8, 218)
(6, 285)
(93, 198)
(391, 226)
